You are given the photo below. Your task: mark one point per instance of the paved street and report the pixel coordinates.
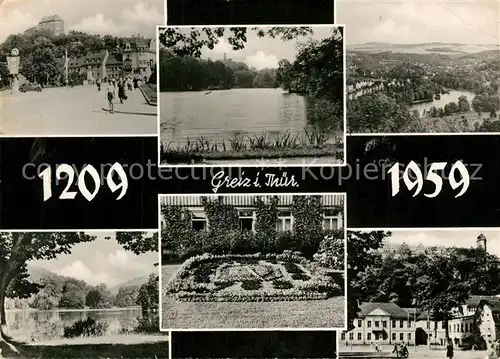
(74, 111)
(368, 352)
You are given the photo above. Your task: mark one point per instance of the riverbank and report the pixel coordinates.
(120, 346)
(181, 157)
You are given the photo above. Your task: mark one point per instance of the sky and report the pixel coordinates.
(448, 238)
(101, 261)
(262, 53)
(420, 21)
(116, 17)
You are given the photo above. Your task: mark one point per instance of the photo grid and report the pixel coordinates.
(256, 84)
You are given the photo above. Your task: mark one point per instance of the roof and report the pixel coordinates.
(50, 18)
(90, 58)
(113, 60)
(474, 300)
(392, 309)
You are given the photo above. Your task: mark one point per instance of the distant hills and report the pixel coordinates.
(421, 48)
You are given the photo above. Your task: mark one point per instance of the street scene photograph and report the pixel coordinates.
(422, 66)
(252, 262)
(246, 12)
(67, 68)
(423, 294)
(251, 95)
(80, 295)
(255, 344)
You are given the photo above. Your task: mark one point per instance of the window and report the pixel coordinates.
(401, 336)
(331, 219)
(462, 327)
(360, 323)
(377, 324)
(401, 323)
(450, 328)
(369, 324)
(466, 327)
(443, 325)
(384, 324)
(351, 336)
(409, 337)
(342, 336)
(284, 221)
(198, 220)
(394, 324)
(359, 336)
(246, 220)
(376, 336)
(369, 336)
(393, 336)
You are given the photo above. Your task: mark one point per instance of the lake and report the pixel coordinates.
(444, 100)
(36, 325)
(224, 114)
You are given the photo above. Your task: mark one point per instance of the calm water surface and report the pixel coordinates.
(34, 325)
(444, 100)
(224, 114)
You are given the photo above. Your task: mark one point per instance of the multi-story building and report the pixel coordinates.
(245, 205)
(382, 323)
(93, 65)
(52, 25)
(139, 57)
(488, 319)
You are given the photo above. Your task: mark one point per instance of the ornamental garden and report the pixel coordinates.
(265, 256)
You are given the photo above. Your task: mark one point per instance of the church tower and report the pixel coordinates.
(481, 242)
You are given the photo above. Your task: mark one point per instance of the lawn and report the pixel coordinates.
(121, 346)
(251, 291)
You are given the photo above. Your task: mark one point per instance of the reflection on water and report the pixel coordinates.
(226, 114)
(35, 325)
(444, 100)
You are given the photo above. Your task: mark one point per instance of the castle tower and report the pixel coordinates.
(225, 58)
(481, 242)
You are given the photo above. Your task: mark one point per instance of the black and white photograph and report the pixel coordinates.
(253, 344)
(422, 66)
(423, 293)
(78, 68)
(252, 262)
(245, 12)
(249, 96)
(80, 295)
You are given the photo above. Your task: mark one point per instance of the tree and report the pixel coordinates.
(360, 255)
(126, 297)
(98, 297)
(73, 294)
(16, 249)
(148, 294)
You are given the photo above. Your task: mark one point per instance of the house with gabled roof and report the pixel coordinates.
(487, 319)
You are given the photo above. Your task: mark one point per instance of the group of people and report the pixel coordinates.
(119, 87)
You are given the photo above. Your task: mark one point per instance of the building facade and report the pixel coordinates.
(139, 57)
(382, 323)
(488, 320)
(52, 25)
(245, 205)
(92, 66)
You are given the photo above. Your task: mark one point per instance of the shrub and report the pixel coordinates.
(300, 276)
(332, 250)
(282, 284)
(253, 284)
(308, 224)
(293, 268)
(147, 325)
(222, 285)
(86, 328)
(265, 224)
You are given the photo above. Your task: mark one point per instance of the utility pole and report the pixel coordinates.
(66, 60)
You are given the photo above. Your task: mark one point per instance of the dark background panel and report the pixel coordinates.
(252, 344)
(370, 203)
(22, 204)
(248, 12)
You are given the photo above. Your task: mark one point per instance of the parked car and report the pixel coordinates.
(30, 87)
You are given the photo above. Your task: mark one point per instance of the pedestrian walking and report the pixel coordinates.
(449, 348)
(136, 85)
(110, 95)
(98, 83)
(121, 90)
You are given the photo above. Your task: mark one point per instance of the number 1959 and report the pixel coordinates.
(67, 172)
(413, 178)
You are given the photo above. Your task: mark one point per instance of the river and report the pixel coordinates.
(36, 325)
(444, 100)
(223, 114)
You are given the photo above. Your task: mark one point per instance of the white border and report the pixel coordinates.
(160, 305)
(313, 163)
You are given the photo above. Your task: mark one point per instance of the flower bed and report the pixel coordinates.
(251, 278)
